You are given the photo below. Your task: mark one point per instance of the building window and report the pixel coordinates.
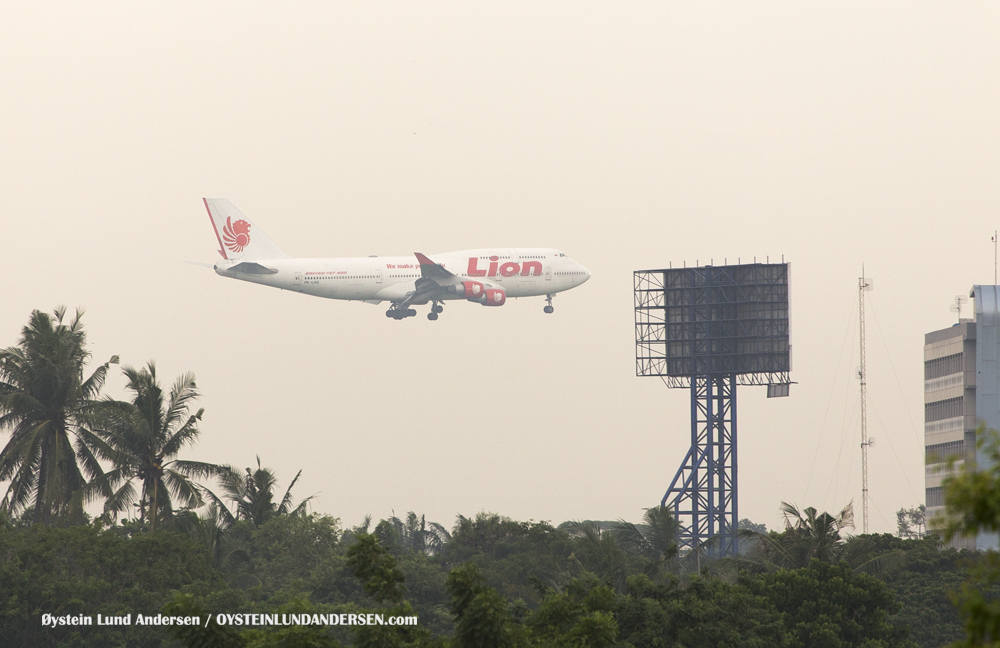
(943, 409)
(935, 496)
(943, 366)
(942, 452)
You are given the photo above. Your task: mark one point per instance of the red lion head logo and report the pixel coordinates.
(236, 235)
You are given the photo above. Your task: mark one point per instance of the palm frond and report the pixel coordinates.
(185, 434)
(884, 565)
(85, 455)
(182, 489)
(183, 392)
(286, 500)
(21, 487)
(120, 500)
(631, 538)
(227, 519)
(197, 469)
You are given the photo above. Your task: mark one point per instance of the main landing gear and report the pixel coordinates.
(549, 309)
(400, 313)
(397, 313)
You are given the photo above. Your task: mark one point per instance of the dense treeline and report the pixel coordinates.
(528, 583)
(184, 537)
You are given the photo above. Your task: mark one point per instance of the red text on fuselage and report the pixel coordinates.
(506, 269)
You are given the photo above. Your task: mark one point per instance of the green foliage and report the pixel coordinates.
(972, 504)
(383, 581)
(142, 438)
(832, 606)
(492, 581)
(598, 550)
(707, 612)
(45, 403)
(303, 636)
(302, 566)
(211, 635)
(293, 552)
(924, 587)
(510, 554)
(972, 497)
(253, 494)
(810, 535)
(82, 570)
(377, 569)
(412, 535)
(482, 616)
(581, 615)
(655, 539)
(912, 523)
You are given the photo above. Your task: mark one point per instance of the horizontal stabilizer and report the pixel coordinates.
(249, 267)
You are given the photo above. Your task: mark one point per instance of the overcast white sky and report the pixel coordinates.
(629, 135)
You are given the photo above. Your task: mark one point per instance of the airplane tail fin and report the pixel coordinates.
(238, 237)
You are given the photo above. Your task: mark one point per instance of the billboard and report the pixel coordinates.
(713, 321)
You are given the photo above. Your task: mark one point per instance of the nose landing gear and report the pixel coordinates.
(549, 309)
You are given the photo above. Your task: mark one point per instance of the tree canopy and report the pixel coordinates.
(46, 404)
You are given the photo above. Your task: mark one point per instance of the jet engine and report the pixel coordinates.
(471, 290)
(495, 297)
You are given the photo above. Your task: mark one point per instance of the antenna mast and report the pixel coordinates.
(957, 306)
(863, 285)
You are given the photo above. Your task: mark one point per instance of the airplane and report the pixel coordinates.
(488, 276)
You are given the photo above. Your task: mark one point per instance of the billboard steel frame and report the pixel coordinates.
(710, 329)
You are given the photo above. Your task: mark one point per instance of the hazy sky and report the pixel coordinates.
(628, 134)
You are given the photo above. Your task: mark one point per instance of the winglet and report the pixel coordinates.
(423, 259)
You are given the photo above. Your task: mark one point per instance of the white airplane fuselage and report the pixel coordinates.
(488, 277)
(520, 272)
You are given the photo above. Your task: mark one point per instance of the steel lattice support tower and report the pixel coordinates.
(703, 493)
(710, 329)
(863, 285)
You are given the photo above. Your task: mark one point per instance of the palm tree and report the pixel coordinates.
(812, 535)
(45, 402)
(600, 551)
(412, 534)
(815, 535)
(253, 494)
(142, 438)
(227, 548)
(657, 540)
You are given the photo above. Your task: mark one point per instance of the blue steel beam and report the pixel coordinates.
(703, 493)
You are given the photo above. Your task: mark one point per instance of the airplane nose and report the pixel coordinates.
(586, 273)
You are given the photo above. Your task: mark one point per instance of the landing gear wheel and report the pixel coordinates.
(549, 309)
(432, 316)
(437, 308)
(400, 313)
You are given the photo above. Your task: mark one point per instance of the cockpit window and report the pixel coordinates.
(561, 254)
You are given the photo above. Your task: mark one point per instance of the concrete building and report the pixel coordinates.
(961, 389)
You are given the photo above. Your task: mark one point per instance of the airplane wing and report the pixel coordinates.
(436, 272)
(433, 279)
